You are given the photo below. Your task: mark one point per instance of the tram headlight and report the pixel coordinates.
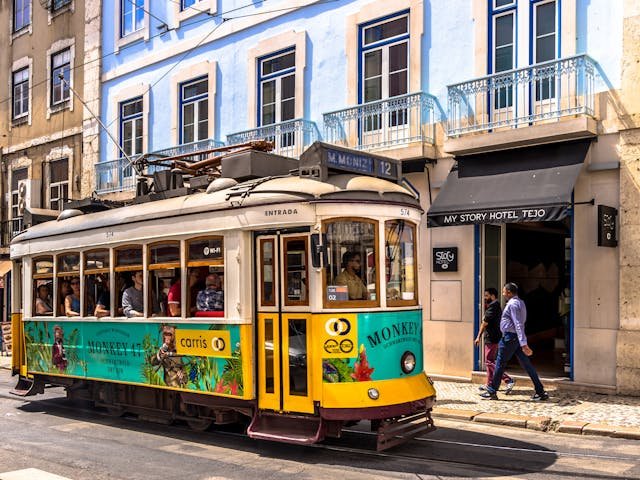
(408, 362)
(373, 393)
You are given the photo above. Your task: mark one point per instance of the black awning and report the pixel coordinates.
(524, 185)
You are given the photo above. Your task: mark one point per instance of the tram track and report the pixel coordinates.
(510, 466)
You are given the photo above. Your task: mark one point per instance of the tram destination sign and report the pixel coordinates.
(320, 158)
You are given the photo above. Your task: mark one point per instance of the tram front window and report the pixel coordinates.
(351, 273)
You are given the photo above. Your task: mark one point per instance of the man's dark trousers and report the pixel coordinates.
(507, 348)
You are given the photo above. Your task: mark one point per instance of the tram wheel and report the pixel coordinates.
(199, 424)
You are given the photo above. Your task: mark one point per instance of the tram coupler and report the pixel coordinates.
(27, 387)
(396, 431)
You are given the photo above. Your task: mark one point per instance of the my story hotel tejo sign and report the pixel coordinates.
(512, 215)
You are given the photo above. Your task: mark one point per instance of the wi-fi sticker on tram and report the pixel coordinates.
(340, 337)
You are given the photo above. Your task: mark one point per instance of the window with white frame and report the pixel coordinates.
(277, 87)
(184, 4)
(16, 177)
(544, 46)
(131, 16)
(194, 110)
(58, 183)
(21, 14)
(20, 89)
(131, 118)
(503, 24)
(60, 76)
(384, 71)
(58, 4)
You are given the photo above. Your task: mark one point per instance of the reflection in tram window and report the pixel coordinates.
(298, 357)
(400, 271)
(267, 297)
(295, 257)
(43, 286)
(164, 273)
(351, 274)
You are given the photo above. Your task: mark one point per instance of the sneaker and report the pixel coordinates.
(489, 395)
(482, 388)
(540, 396)
(509, 387)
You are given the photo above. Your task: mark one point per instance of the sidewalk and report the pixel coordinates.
(567, 412)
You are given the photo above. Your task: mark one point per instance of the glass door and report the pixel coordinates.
(283, 322)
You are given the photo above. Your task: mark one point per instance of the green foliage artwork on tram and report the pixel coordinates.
(195, 357)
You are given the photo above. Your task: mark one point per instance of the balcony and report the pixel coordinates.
(535, 95)
(290, 138)
(10, 229)
(119, 176)
(383, 124)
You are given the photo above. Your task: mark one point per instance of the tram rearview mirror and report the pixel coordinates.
(319, 250)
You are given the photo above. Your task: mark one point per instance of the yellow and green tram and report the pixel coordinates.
(286, 301)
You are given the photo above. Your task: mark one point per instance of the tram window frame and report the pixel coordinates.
(290, 271)
(154, 269)
(38, 279)
(274, 274)
(400, 302)
(364, 303)
(88, 308)
(67, 275)
(120, 284)
(213, 265)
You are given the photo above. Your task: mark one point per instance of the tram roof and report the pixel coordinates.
(272, 190)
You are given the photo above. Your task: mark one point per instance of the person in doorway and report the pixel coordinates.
(350, 276)
(514, 342)
(490, 327)
(132, 298)
(564, 311)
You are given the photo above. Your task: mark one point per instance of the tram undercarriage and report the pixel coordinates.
(393, 424)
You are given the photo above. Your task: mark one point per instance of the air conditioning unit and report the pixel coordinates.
(28, 195)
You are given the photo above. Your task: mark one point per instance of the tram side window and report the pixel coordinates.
(68, 276)
(400, 265)
(43, 286)
(351, 273)
(97, 294)
(164, 275)
(129, 281)
(205, 262)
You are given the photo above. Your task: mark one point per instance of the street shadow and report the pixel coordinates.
(447, 451)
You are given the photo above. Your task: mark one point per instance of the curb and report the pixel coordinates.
(541, 424)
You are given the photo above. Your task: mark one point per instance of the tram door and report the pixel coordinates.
(284, 322)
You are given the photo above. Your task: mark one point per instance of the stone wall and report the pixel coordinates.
(628, 345)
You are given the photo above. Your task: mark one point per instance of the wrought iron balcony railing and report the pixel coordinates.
(395, 121)
(541, 92)
(290, 138)
(119, 176)
(9, 229)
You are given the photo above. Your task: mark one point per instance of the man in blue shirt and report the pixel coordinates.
(514, 342)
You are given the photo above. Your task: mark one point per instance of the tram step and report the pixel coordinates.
(397, 432)
(27, 387)
(287, 429)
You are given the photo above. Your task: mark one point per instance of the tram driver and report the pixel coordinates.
(350, 276)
